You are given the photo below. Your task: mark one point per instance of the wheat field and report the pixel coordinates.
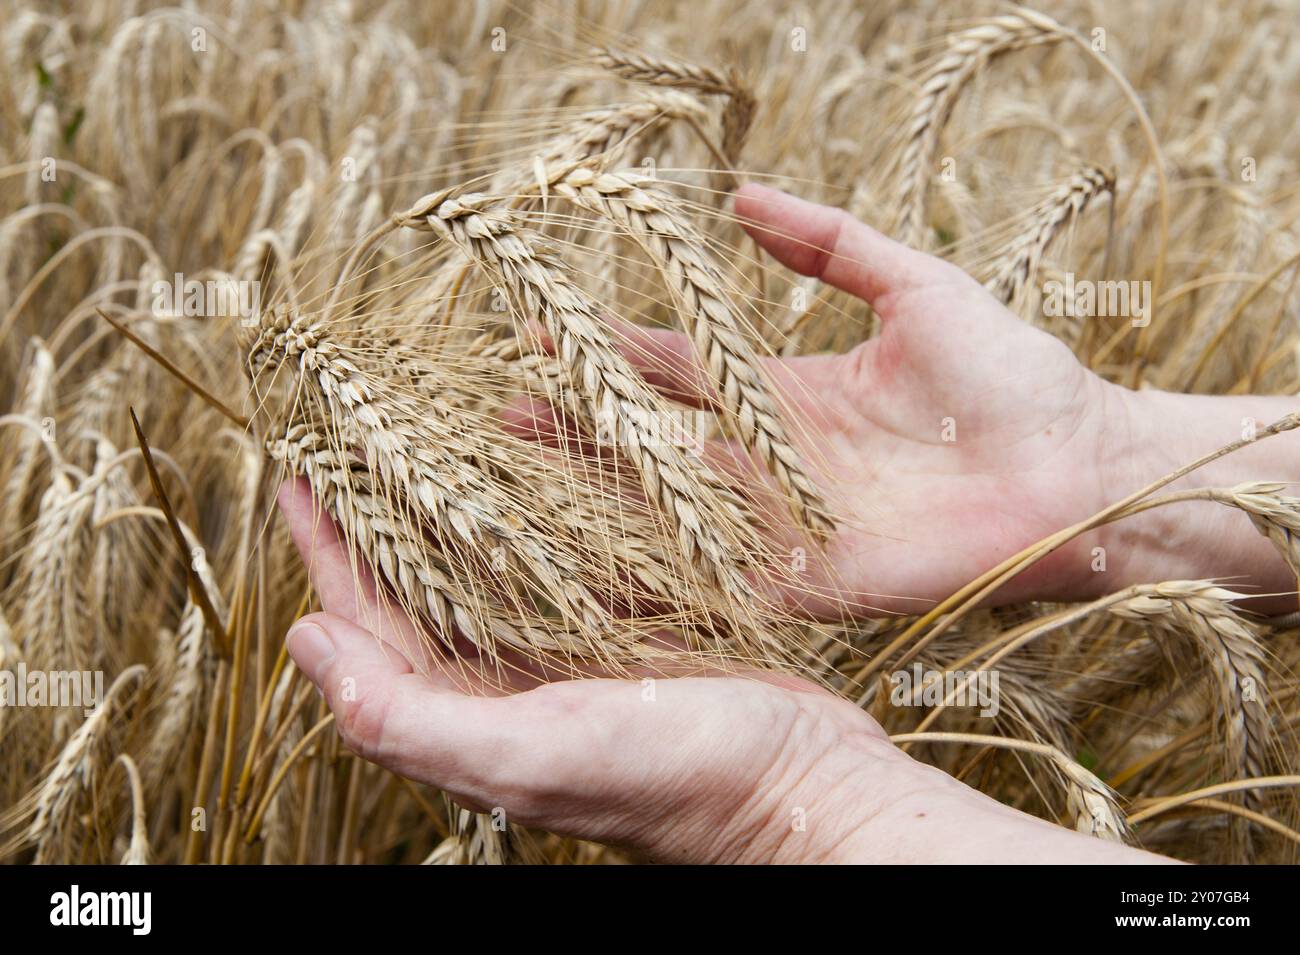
(347, 241)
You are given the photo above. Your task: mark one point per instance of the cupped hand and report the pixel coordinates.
(955, 438)
(706, 768)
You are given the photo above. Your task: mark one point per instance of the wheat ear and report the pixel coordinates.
(738, 115)
(75, 768)
(411, 447)
(36, 403)
(647, 213)
(967, 53)
(425, 585)
(1236, 659)
(1049, 218)
(602, 131)
(483, 839)
(1274, 514)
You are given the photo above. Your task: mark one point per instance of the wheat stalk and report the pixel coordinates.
(1090, 801)
(137, 852)
(9, 656)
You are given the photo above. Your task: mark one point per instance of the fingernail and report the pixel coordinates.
(311, 648)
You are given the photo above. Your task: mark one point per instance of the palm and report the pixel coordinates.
(952, 440)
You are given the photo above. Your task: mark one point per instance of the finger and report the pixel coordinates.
(831, 245)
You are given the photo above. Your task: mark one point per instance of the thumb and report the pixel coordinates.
(484, 752)
(830, 244)
(384, 711)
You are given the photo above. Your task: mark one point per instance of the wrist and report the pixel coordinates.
(803, 771)
(863, 800)
(1134, 453)
(935, 819)
(924, 816)
(834, 773)
(1157, 432)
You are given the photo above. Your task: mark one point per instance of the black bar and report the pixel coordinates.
(367, 905)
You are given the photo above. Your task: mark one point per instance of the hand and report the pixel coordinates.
(706, 768)
(961, 435)
(952, 440)
(757, 767)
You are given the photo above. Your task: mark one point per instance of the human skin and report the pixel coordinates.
(764, 767)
